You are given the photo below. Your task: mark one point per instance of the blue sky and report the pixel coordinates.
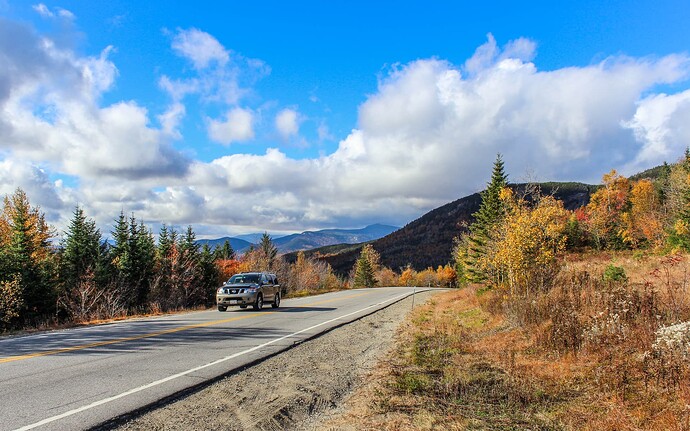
(287, 116)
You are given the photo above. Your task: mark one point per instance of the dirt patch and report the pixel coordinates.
(308, 381)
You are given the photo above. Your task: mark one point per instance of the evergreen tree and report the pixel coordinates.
(163, 281)
(268, 252)
(209, 276)
(224, 252)
(120, 251)
(189, 249)
(490, 212)
(145, 262)
(366, 267)
(81, 249)
(134, 258)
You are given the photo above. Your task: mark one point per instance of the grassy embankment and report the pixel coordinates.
(587, 355)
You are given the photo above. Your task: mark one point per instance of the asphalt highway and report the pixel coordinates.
(80, 378)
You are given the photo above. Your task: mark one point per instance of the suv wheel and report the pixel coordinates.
(222, 308)
(259, 304)
(276, 301)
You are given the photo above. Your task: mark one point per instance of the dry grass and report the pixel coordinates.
(586, 355)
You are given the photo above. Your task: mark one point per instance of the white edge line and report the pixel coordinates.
(201, 367)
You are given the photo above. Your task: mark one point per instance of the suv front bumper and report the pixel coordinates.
(245, 298)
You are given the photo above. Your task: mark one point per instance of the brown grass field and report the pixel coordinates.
(590, 354)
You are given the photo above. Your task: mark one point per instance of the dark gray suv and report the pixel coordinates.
(249, 288)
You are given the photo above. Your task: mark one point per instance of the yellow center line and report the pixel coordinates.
(155, 334)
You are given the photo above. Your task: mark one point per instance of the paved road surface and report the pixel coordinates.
(79, 378)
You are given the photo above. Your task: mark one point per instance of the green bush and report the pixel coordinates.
(614, 273)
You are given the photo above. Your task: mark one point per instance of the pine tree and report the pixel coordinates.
(81, 249)
(120, 251)
(366, 267)
(268, 251)
(189, 285)
(490, 212)
(225, 252)
(162, 284)
(209, 276)
(145, 262)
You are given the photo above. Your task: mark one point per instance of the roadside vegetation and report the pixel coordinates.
(49, 280)
(567, 319)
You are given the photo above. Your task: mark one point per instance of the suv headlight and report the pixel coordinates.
(220, 290)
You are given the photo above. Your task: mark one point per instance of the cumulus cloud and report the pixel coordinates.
(237, 126)
(200, 48)
(428, 135)
(219, 75)
(287, 123)
(16, 173)
(432, 130)
(49, 106)
(662, 126)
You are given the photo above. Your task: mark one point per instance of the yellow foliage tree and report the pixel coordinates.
(445, 275)
(530, 239)
(643, 223)
(407, 277)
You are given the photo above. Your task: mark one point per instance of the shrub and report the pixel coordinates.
(614, 273)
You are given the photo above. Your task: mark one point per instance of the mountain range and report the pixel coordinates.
(306, 240)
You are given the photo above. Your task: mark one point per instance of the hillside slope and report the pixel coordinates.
(428, 241)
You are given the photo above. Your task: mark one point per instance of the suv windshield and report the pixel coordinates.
(244, 279)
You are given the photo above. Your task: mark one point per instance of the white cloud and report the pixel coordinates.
(428, 135)
(64, 13)
(237, 126)
(200, 48)
(49, 112)
(287, 123)
(662, 127)
(43, 10)
(170, 120)
(324, 132)
(33, 180)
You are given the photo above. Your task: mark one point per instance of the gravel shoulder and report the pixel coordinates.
(296, 389)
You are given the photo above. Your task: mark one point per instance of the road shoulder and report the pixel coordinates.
(291, 390)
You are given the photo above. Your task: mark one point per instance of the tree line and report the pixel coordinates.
(82, 277)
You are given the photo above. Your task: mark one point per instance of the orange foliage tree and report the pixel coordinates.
(604, 213)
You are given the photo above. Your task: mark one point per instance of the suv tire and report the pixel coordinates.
(222, 308)
(259, 304)
(276, 301)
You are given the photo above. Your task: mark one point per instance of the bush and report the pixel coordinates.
(614, 273)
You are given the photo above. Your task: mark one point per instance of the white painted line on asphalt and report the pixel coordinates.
(201, 367)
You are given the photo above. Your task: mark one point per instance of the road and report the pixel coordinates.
(79, 378)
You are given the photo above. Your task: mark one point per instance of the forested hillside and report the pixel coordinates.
(428, 241)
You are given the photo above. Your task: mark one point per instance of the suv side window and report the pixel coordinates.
(264, 279)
